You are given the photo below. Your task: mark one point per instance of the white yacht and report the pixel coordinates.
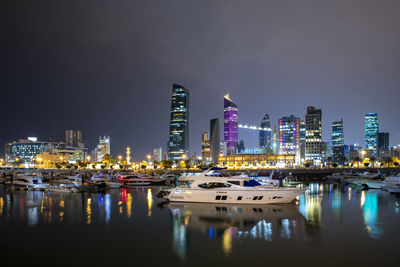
(378, 182)
(217, 187)
(27, 181)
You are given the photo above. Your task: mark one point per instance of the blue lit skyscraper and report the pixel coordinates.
(230, 125)
(338, 142)
(371, 128)
(265, 135)
(179, 125)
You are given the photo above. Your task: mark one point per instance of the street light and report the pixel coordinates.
(119, 158)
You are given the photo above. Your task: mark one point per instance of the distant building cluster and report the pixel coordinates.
(298, 139)
(31, 152)
(295, 141)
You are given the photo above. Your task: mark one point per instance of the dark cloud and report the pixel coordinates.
(108, 68)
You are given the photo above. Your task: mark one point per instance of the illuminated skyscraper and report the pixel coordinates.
(214, 139)
(178, 143)
(302, 141)
(289, 136)
(205, 147)
(371, 132)
(230, 125)
(264, 136)
(338, 142)
(314, 135)
(73, 138)
(103, 147)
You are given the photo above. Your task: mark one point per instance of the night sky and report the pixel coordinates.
(107, 67)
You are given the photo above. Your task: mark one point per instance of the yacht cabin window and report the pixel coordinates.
(213, 185)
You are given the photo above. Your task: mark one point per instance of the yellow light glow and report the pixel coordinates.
(129, 205)
(89, 211)
(1, 206)
(149, 201)
(227, 241)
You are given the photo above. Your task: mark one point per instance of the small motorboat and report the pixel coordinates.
(61, 189)
(133, 180)
(109, 183)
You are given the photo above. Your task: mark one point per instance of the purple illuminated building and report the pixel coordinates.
(230, 125)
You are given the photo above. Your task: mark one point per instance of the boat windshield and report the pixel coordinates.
(217, 174)
(251, 183)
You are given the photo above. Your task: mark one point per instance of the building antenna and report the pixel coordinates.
(54, 130)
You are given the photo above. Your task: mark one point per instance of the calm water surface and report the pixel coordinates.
(329, 226)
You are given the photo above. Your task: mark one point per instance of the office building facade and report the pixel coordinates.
(178, 143)
(338, 153)
(214, 139)
(74, 138)
(25, 151)
(371, 129)
(289, 136)
(103, 147)
(313, 121)
(205, 147)
(302, 141)
(265, 135)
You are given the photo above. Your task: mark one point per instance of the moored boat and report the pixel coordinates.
(227, 189)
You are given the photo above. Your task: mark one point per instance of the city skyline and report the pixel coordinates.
(277, 64)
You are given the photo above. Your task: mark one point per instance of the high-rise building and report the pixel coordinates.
(73, 138)
(289, 136)
(214, 140)
(338, 153)
(178, 143)
(383, 143)
(223, 148)
(314, 135)
(265, 135)
(371, 128)
(103, 148)
(325, 151)
(275, 142)
(302, 141)
(241, 148)
(230, 125)
(157, 154)
(205, 147)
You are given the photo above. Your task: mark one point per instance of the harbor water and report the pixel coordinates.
(330, 225)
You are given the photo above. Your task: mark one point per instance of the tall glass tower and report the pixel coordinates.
(230, 125)
(314, 135)
(264, 136)
(338, 142)
(371, 129)
(178, 143)
(214, 139)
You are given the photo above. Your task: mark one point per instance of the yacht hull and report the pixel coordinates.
(254, 196)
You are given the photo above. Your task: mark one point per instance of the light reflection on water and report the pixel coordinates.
(316, 214)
